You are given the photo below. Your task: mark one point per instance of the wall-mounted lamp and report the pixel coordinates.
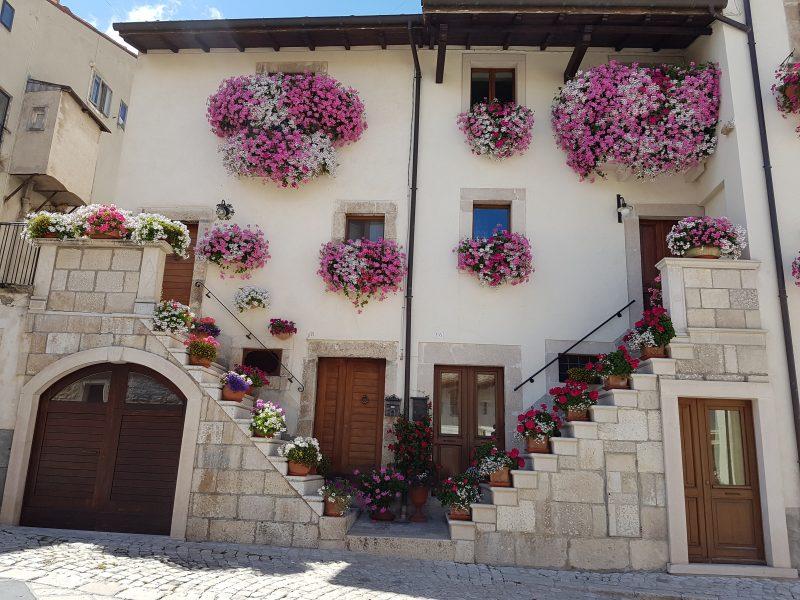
(623, 210)
(225, 211)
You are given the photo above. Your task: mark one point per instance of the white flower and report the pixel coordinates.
(149, 227)
(251, 296)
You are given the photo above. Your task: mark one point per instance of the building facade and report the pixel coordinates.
(617, 492)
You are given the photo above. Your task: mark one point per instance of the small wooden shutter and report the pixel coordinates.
(178, 272)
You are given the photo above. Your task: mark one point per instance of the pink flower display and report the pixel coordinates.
(235, 249)
(787, 89)
(694, 232)
(102, 220)
(796, 270)
(284, 127)
(653, 120)
(497, 129)
(502, 258)
(362, 269)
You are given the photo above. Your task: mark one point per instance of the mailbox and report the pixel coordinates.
(391, 406)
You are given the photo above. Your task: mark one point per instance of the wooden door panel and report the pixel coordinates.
(328, 383)
(178, 272)
(653, 247)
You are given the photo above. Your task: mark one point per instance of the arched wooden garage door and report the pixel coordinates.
(105, 452)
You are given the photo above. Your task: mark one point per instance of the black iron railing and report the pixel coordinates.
(251, 336)
(616, 315)
(17, 257)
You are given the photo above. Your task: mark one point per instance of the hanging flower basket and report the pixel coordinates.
(787, 89)
(284, 127)
(362, 269)
(497, 129)
(236, 250)
(282, 329)
(707, 237)
(652, 120)
(172, 316)
(502, 258)
(250, 297)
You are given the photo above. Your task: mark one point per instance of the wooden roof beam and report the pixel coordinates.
(273, 42)
(578, 53)
(347, 44)
(382, 38)
(202, 43)
(309, 41)
(441, 52)
(170, 46)
(236, 42)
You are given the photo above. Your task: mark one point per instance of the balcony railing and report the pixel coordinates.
(17, 257)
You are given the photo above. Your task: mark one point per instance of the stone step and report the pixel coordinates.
(546, 463)
(461, 530)
(306, 485)
(644, 381)
(484, 513)
(525, 480)
(210, 374)
(316, 502)
(564, 446)
(237, 411)
(280, 463)
(603, 414)
(499, 496)
(624, 398)
(658, 366)
(418, 548)
(247, 402)
(582, 430)
(268, 446)
(169, 340)
(215, 392)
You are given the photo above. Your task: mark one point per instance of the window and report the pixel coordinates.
(5, 100)
(492, 84)
(364, 227)
(268, 361)
(7, 15)
(486, 218)
(100, 95)
(122, 117)
(570, 361)
(38, 118)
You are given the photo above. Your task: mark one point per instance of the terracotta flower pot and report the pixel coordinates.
(334, 509)
(229, 395)
(418, 495)
(500, 478)
(377, 515)
(792, 91)
(703, 252)
(298, 469)
(282, 336)
(654, 352)
(538, 445)
(460, 514)
(258, 434)
(615, 382)
(113, 235)
(49, 235)
(198, 361)
(577, 414)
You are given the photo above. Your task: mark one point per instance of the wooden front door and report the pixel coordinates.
(653, 244)
(105, 452)
(178, 272)
(467, 411)
(348, 421)
(723, 512)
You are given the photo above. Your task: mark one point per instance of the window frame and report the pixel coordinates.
(277, 352)
(7, 5)
(122, 120)
(492, 71)
(100, 97)
(492, 206)
(365, 218)
(4, 116)
(564, 360)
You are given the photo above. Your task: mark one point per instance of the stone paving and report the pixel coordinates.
(66, 565)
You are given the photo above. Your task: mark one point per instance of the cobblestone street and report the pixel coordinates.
(63, 565)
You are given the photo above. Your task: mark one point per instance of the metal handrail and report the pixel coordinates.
(616, 315)
(18, 258)
(250, 335)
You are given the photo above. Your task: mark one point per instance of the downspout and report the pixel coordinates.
(777, 253)
(412, 215)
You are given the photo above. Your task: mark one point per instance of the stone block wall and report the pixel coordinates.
(714, 306)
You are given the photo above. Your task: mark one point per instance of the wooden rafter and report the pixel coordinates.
(441, 52)
(168, 44)
(237, 44)
(202, 43)
(578, 53)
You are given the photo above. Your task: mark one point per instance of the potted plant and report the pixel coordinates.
(615, 368)
(202, 349)
(497, 129)
(172, 316)
(574, 399)
(481, 451)
(652, 333)
(707, 237)
(338, 495)
(282, 328)
(413, 456)
(497, 466)
(147, 227)
(303, 455)
(379, 490)
(536, 426)
(585, 375)
(236, 250)
(102, 221)
(256, 375)
(205, 326)
(457, 493)
(501, 258)
(249, 297)
(787, 88)
(267, 419)
(234, 386)
(44, 224)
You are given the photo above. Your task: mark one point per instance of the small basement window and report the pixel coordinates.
(268, 361)
(122, 117)
(487, 218)
(365, 227)
(570, 361)
(38, 118)
(492, 84)
(7, 15)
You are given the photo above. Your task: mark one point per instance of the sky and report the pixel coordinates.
(102, 13)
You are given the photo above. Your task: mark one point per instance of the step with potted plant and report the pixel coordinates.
(413, 456)
(338, 495)
(459, 492)
(615, 368)
(234, 386)
(497, 466)
(379, 491)
(202, 349)
(651, 333)
(303, 455)
(574, 399)
(267, 419)
(536, 426)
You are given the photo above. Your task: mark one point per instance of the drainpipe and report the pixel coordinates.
(788, 342)
(412, 210)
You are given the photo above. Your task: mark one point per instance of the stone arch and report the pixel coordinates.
(39, 383)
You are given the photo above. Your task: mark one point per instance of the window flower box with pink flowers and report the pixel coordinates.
(497, 129)
(237, 250)
(501, 258)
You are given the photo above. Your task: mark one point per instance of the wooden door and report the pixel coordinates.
(179, 272)
(723, 511)
(348, 420)
(105, 452)
(653, 244)
(468, 410)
